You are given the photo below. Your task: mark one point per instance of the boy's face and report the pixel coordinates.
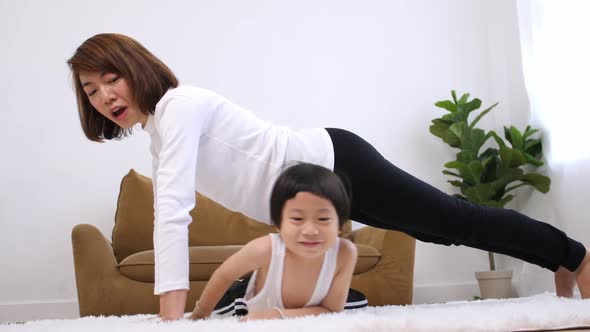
(309, 225)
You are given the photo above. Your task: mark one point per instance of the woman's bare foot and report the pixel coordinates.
(583, 276)
(565, 281)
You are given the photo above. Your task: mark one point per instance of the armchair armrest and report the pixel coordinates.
(102, 289)
(391, 280)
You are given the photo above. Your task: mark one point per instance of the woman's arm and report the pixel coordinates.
(179, 123)
(252, 256)
(336, 297)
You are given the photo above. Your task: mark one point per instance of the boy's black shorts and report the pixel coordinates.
(233, 304)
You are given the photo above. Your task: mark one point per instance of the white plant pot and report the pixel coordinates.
(495, 284)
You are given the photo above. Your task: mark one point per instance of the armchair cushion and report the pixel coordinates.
(204, 260)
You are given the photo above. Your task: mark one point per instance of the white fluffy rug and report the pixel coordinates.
(540, 312)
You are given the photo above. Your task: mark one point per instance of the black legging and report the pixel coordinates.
(386, 197)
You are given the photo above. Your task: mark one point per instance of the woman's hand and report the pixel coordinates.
(172, 304)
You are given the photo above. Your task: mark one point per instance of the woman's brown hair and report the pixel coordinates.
(148, 78)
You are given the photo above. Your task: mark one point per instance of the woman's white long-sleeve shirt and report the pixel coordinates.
(202, 141)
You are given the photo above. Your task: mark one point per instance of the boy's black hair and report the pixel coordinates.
(313, 179)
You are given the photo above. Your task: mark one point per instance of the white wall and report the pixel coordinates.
(373, 67)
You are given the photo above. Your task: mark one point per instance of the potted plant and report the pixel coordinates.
(489, 177)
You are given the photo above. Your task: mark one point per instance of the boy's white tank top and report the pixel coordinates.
(270, 295)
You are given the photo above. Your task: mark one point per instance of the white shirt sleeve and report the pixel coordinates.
(180, 125)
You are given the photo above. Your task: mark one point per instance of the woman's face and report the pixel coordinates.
(309, 225)
(110, 95)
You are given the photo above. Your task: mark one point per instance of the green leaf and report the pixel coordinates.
(531, 144)
(466, 156)
(511, 158)
(515, 138)
(497, 138)
(464, 171)
(499, 204)
(532, 160)
(456, 183)
(476, 168)
(449, 117)
(463, 99)
(451, 139)
(480, 193)
(451, 173)
(528, 132)
(490, 165)
(508, 175)
(518, 159)
(505, 200)
(507, 135)
(473, 139)
(458, 128)
(472, 105)
(491, 203)
(488, 153)
(539, 181)
(447, 104)
(460, 197)
(534, 147)
(456, 164)
(439, 127)
(481, 115)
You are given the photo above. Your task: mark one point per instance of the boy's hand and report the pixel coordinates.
(262, 314)
(196, 315)
(198, 312)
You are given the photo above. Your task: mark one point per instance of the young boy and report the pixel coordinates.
(305, 269)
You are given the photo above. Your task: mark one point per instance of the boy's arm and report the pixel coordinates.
(251, 257)
(336, 297)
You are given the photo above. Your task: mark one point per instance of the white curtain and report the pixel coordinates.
(555, 45)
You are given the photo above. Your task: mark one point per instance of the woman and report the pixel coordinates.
(202, 141)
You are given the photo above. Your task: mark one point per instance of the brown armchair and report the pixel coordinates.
(118, 278)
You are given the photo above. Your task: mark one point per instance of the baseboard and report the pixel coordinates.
(435, 293)
(11, 312)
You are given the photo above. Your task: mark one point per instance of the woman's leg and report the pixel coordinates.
(385, 196)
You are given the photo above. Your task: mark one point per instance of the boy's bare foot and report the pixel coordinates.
(583, 276)
(565, 281)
